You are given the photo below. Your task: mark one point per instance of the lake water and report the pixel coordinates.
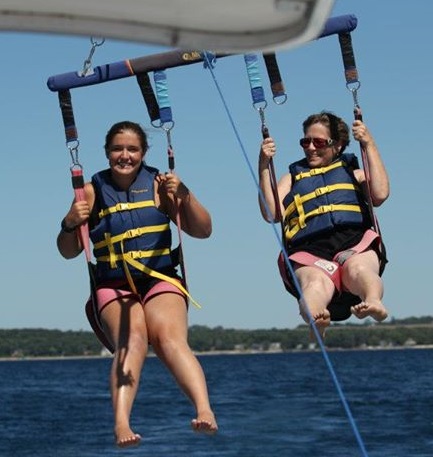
(266, 404)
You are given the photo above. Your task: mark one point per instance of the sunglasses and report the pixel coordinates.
(318, 143)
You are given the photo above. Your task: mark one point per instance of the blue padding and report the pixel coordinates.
(161, 91)
(258, 95)
(253, 71)
(339, 24)
(165, 115)
(101, 74)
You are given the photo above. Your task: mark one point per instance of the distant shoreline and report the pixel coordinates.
(230, 352)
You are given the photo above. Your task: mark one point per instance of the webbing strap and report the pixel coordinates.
(149, 97)
(350, 71)
(125, 207)
(155, 274)
(276, 82)
(317, 171)
(65, 103)
(300, 223)
(300, 200)
(113, 257)
(129, 234)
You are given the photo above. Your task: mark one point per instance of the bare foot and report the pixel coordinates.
(322, 320)
(125, 437)
(205, 423)
(374, 309)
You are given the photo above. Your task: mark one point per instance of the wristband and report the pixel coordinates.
(65, 228)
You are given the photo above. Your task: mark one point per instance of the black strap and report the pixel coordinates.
(149, 97)
(350, 71)
(277, 85)
(65, 103)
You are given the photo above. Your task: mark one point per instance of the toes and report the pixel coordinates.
(133, 440)
(203, 426)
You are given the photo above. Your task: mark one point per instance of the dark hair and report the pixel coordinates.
(338, 129)
(122, 126)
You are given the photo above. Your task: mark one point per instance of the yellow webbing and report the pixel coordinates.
(317, 171)
(296, 224)
(129, 258)
(125, 207)
(155, 274)
(296, 205)
(129, 234)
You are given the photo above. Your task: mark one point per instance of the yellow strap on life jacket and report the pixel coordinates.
(156, 274)
(129, 258)
(133, 254)
(129, 234)
(125, 207)
(317, 171)
(299, 200)
(295, 223)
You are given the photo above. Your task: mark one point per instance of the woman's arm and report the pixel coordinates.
(379, 182)
(267, 151)
(68, 240)
(195, 220)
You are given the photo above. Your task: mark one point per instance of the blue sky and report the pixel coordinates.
(233, 274)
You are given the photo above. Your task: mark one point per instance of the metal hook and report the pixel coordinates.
(87, 65)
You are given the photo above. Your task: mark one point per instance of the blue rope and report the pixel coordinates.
(312, 323)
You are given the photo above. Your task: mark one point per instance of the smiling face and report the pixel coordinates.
(125, 155)
(320, 156)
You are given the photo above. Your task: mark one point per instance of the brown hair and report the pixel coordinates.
(338, 129)
(126, 125)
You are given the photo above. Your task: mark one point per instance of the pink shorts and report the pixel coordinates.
(331, 268)
(106, 295)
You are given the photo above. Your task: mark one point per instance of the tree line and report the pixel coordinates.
(410, 332)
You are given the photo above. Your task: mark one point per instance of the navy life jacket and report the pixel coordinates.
(323, 198)
(129, 227)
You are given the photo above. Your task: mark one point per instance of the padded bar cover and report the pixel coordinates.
(257, 92)
(160, 78)
(176, 58)
(339, 24)
(125, 68)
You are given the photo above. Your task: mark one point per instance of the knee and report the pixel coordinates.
(164, 344)
(317, 283)
(134, 341)
(355, 270)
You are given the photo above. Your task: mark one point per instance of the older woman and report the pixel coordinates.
(336, 256)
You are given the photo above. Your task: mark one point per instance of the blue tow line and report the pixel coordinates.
(209, 65)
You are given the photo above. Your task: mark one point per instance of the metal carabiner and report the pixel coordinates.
(87, 65)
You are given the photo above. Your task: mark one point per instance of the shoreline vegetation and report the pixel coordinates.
(409, 333)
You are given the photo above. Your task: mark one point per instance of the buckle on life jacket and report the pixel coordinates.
(122, 206)
(321, 191)
(325, 209)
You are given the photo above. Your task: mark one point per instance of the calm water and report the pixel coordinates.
(267, 405)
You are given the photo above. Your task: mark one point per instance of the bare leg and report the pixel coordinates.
(166, 317)
(361, 277)
(125, 327)
(317, 291)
